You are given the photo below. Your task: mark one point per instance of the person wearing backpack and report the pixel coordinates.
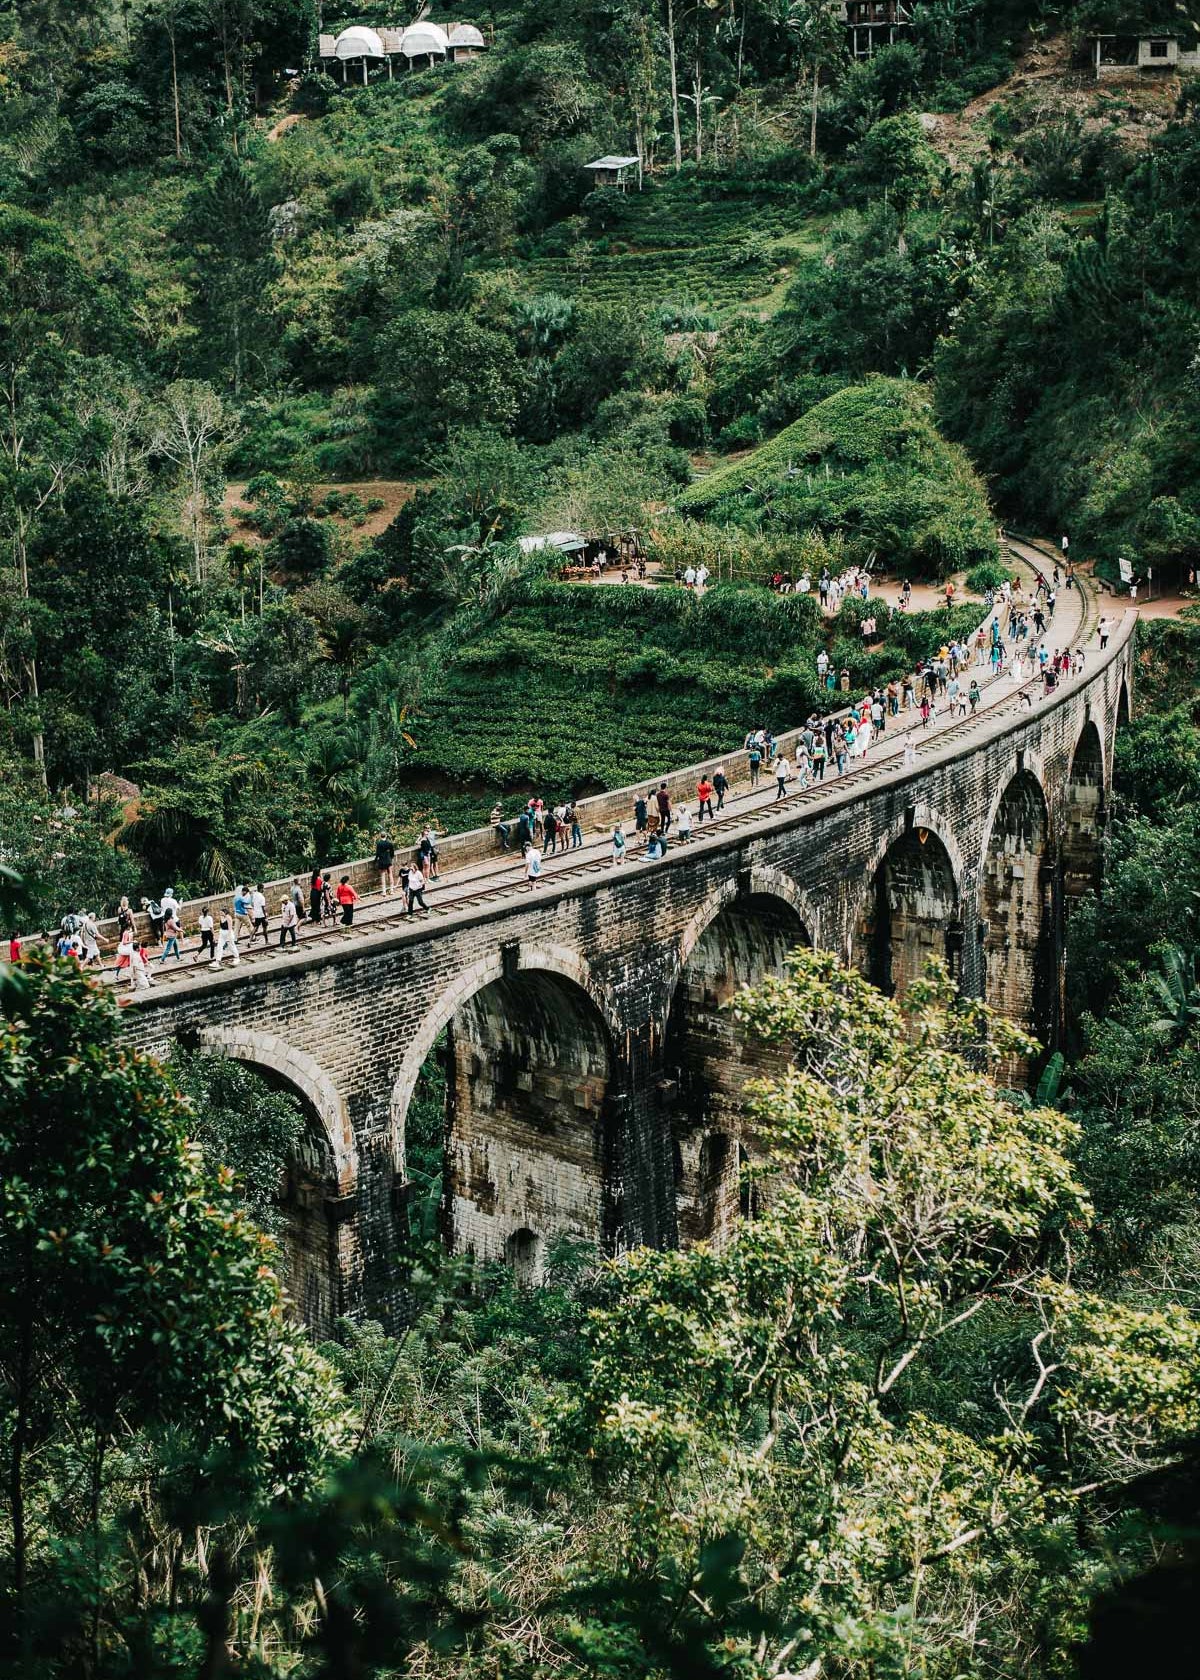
(154, 910)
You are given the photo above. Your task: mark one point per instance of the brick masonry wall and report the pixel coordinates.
(349, 1027)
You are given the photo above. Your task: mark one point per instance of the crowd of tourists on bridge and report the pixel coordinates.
(948, 684)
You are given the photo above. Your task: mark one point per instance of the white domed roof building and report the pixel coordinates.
(358, 42)
(465, 42)
(425, 40)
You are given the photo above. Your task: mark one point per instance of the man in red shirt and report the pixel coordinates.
(704, 793)
(347, 898)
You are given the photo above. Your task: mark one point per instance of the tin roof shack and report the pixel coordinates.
(614, 172)
(1140, 47)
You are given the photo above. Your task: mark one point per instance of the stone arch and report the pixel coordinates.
(1085, 811)
(910, 905)
(1017, 911)
(283, 1062)
(317, 1247)
(529, 1143)
(917, 816)
(760, 881)
(524, 1255)
(545, 958)
(738, 938)
(529, 1152)
(1123, 707)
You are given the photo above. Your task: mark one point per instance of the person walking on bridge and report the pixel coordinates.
(704, 793)
(414, 890)
(171, 932)
(782, 771)
(663, 801)
(427, 852)
(720, 784)
(257, 899)
(289, 916)
(226, 942)
(347, 898)
(207, 940)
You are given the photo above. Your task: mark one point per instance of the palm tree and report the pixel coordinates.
(820, 38)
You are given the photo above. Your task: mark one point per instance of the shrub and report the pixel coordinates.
(302, 547)
(988, 576)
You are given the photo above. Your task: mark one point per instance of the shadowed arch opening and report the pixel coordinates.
(317, 1190)
(708, 1060)
(528, 1152)
(1123, 705)
(911, 913)
(1082, 852)
(1017, 909)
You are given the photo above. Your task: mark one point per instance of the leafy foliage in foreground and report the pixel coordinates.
(880, 1428)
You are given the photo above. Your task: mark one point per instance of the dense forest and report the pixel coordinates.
(289, 366)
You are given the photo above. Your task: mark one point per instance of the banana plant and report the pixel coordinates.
(1177, 990)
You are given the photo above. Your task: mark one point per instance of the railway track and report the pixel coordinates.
(491, 883)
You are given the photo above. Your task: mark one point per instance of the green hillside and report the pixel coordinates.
(580, 690)
(868, 463)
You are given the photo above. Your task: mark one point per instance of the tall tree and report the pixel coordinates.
(192, 425)
(46, 307)
(233, 266)
(133, 1289)
(820, 39)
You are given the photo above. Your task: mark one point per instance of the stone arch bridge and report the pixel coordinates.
(593, 1079)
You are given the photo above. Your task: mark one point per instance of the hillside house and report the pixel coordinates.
(613, 171)
(1140, 50)
(425, 43)
(875, 23)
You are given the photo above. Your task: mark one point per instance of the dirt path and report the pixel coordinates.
(284, 123)
(392, 492)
